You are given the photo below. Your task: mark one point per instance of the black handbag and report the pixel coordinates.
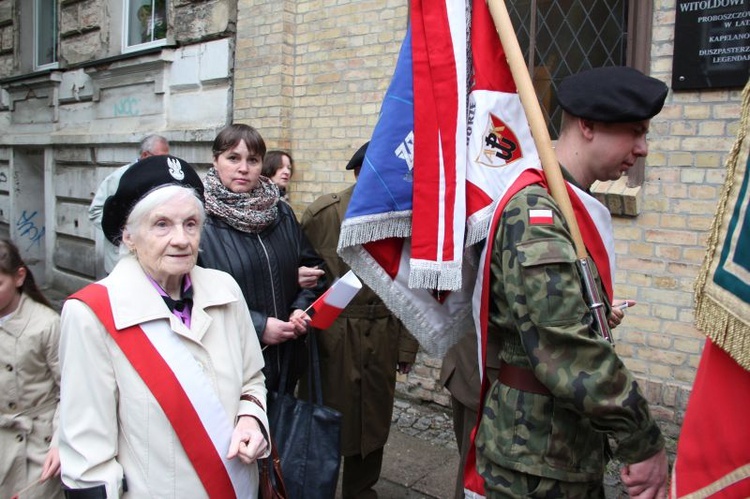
(307, 435)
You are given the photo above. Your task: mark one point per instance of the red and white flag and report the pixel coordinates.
(331, 303)
(441, 156)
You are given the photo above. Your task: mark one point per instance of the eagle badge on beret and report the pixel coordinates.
(175, 168)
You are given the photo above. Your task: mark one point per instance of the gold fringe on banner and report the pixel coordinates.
(720, 315)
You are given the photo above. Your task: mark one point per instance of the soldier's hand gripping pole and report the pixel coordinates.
(594, 300)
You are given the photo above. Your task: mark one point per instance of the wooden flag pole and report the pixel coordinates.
(534, 115)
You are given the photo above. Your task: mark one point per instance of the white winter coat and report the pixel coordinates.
(111, 426)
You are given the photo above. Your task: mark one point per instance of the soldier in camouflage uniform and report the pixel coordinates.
(562, 389)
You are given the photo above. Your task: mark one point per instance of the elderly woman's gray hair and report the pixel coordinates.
(156, 198)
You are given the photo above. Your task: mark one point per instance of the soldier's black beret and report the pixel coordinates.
(141, 178)
(612, 94)
(358, 157)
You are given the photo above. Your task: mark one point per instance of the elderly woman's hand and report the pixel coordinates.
(247, 441)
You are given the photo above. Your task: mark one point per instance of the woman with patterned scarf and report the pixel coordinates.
(257, 239)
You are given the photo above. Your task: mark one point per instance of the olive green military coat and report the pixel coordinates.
(360, 351)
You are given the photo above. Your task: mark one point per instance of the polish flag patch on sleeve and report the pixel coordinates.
(540, 217)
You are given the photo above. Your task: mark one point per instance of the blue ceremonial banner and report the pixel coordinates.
(383, 232)
(384, 188)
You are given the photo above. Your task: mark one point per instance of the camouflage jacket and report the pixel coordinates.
(538, 311)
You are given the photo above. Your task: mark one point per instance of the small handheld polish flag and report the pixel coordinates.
(334, 301)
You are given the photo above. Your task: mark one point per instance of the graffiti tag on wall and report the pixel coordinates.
(127, 106)
(28, 229)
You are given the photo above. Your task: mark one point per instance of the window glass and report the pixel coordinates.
(145, 21)
(45, 30)
(563, 37)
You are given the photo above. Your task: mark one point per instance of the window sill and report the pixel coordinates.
(140, 47)
(620, 199)
(146, 68)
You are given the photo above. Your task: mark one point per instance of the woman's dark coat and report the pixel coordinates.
(265, 265)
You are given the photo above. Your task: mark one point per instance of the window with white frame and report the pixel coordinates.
(45, 34)
(145, 23)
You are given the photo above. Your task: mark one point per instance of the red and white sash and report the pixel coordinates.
(184, 393)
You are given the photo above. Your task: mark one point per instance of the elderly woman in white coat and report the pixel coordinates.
(162, 390)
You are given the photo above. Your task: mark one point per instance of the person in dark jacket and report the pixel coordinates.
(257, 239)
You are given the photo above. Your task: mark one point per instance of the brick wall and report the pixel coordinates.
(85, 31)
(310, 75)
(660, 252)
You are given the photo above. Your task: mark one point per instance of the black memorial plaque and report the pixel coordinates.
(711, 44)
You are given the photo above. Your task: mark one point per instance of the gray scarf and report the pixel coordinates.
(247, 212)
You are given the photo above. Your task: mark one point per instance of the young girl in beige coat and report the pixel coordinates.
(29, 383)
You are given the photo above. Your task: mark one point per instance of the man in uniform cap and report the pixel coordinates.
(360, 352)
(562, 390)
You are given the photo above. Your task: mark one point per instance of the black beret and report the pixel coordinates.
(141, 178)
(358, 157)
(614, 94)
